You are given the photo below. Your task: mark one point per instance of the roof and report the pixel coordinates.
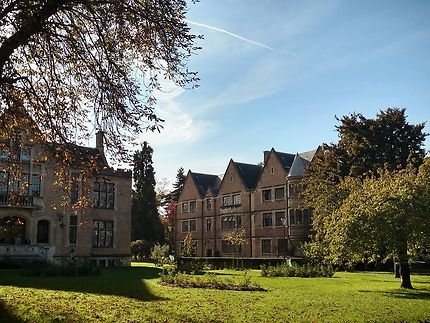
(250, 173)
(206, 181)
(298, 166)
(286, 159)
(308, 155)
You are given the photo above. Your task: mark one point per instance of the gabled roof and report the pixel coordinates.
(298, 166)
(285, 159)
(249, 173)
(206, 182)
(308, 155)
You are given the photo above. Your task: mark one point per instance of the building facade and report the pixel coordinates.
(263, 201)
(36, 225)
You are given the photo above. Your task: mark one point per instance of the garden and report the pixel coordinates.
(137, 294)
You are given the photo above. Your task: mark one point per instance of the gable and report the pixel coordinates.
(189, 191)
(232, 180)
(273, 173)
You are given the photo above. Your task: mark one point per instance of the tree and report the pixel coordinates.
(236, 238)
(168, 221)
(67, 61)
(178, 185)
(365, 147)
(145, 222)
(383, 217)
(189, 247)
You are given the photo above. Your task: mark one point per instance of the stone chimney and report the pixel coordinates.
(266, 156)
(100, 141)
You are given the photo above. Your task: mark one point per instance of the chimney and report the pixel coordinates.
(266, 155)
(99, 141)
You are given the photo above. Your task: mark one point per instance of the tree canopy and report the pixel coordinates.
(74, 65)
(363, 191)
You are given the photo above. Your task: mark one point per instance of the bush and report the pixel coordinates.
(160, 254)
(170, 276)
(140, 249)
(306, 271)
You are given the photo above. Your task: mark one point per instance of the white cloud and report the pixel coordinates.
(179, 126)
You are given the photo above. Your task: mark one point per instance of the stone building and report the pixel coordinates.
(261, 200)
(34, 225)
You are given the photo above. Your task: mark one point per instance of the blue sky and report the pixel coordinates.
(275, 73)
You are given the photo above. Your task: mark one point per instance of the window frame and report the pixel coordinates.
(283, 193)
(104, 231)
(267, 218)
(263, 195)
(193, 206)
(262, 241)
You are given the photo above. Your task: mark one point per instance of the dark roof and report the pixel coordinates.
(249, 173)
(205, 182)
(286, 159)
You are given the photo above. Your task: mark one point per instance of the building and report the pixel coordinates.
(261, 200)
(35, 225)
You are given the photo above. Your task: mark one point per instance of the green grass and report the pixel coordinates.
(134, 295)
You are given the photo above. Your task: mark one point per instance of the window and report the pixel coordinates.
(193, 206)
(306, 216)
(73, 229)
(279, 217)
(292, 190)
(236, 199)
(103, 195)
(226, 200)
(185, 207)
(102, 233)
(209, 204)
(282, 246)
(3, 183)
(193, 225)
(279, 193)
(292, 216)
(25, 155)
(266, 195)
(230, 179)
(267, 219)
(43, 231)
(4, 155)
(227, 247)
(208, 224)
(35, 185)
(272, 170)
(184, 226)
(266, 246)
(230, 222)
(299, 218)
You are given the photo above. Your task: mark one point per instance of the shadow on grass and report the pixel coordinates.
(125, 282)
(6, 315)
(403, 294)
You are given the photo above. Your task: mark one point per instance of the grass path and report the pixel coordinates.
(134, 295)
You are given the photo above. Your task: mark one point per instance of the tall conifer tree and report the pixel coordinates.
(146, 224)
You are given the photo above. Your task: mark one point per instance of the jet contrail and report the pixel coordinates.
(235, 36)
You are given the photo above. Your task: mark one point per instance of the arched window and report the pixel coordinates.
(43, 231)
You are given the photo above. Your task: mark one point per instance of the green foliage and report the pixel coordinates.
(178, 185)
(160, 254)
(189, 247)
(306, 271)
(171, 276)
(363, 192)
(51, 270)
(140, 249)
(145, 220)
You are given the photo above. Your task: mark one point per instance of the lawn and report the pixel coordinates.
(134, 295)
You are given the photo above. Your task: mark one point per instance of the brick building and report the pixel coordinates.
(34, 227)
(262, 200)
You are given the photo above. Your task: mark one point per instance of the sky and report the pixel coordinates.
(275, 74)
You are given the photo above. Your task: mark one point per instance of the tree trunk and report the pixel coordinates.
(396, 270)
(405, 275)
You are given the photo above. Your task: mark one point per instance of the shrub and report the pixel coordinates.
(160, 254)
(306, 271)
(140, 249)
(170, 276)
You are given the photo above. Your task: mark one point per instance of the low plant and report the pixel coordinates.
(160, 254)
(171, 277)
(287, 270)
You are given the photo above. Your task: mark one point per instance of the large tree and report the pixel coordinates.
(178, 184)
(145, 221)
(365, 147)
(71, 63)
